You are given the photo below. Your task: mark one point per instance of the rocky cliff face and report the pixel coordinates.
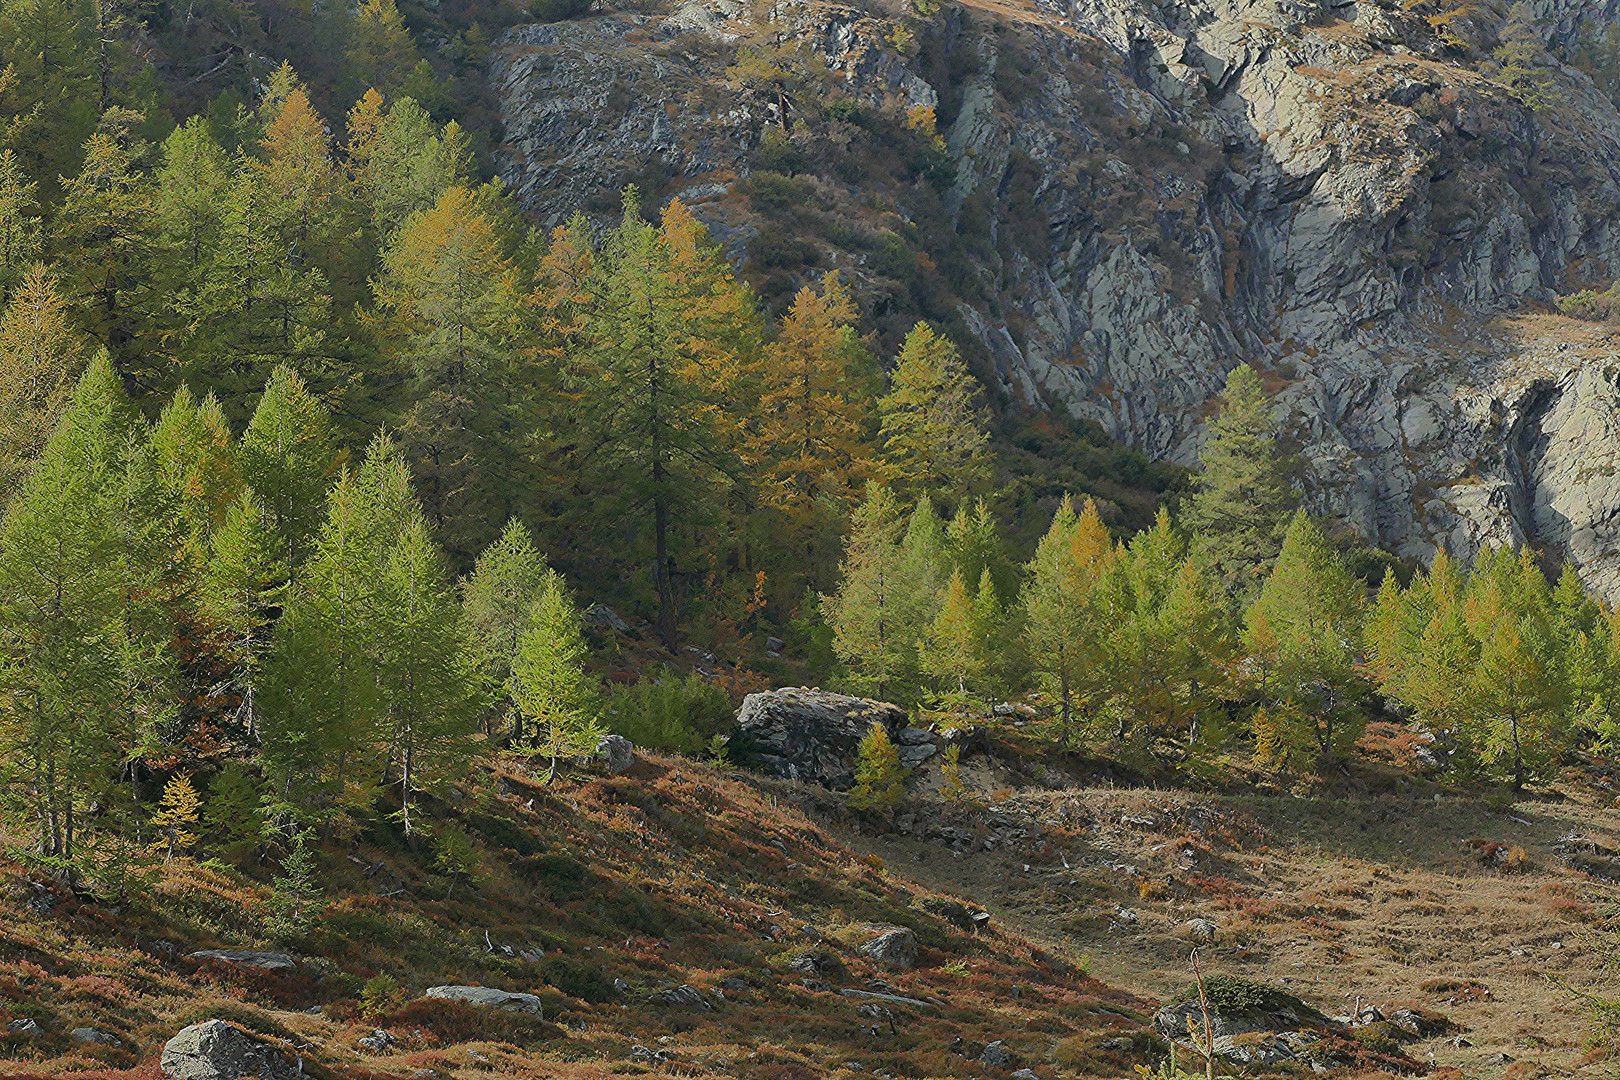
(1135, 196)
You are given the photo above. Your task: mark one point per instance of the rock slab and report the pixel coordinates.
(488, 995)
(265, 961)
(800, 733)
(214, 1050)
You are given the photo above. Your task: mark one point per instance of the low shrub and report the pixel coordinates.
(670, 713)
(451, 1022)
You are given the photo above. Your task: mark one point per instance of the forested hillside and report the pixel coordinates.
(344, 509)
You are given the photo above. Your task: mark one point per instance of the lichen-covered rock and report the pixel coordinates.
(811, 734)
(214, 1050)
(490, 996)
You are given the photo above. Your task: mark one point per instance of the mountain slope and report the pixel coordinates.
(1125, 200)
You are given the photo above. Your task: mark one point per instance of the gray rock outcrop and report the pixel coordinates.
(1343, 195)
(490, 996)
(214, 1050)
(1269, 1027)
(810, 734)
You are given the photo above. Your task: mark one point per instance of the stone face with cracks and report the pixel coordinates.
(813, 735)
(1336, 194)
(214, 1050)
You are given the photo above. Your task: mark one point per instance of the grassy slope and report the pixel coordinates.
(674, 874)
(680, 873)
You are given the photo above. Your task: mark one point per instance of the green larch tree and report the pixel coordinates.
(290, 458)
(497, 599)
(41, 359)
(549, 682)
(932, 428)
(1066, 616)
(865, 611)
(1304, 634)
(1245, 499)
(61, 607)
(663, 334)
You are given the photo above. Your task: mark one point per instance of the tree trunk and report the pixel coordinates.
(661, 575)
(1518, 755)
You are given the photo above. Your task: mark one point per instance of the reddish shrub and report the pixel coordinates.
(448, 1022)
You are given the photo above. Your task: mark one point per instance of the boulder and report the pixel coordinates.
(264, 961)
(27, 1028)
(996, 1056)
(1252, 1024)
(683, 997)
(799, 733)
(914, 736)
(895, 947)
(92, 1035)
(913, 756)
(378, 1040)
(951, 911)
(599, 614)
(488, 995)
(214, 1050)
(615, 752)
(1200, 929)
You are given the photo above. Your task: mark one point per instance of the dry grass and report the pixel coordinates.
(1390, 899)
(673, 874)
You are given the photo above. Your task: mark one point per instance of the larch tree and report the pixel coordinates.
(656, 358)
(814, 448)
(864, 612)
(193, 189)
(105, 236)
(425, 671)
(41, 358)
(973, 540)
(19, 228)
(290, 457)
(949, 649)
(1066, 616)
(497, 599)
(402, 163)
(322, 698)
(1304, 631)
(61, 606)
(932, 428)
(549, 682)
(452, 294)
(1245, 498)
(381, 52)
(241, 585)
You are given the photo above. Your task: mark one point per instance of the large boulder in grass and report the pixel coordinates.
(895, 946)
(214, 1050)
(488, 995)
(1251, 1023)
(800, 733)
